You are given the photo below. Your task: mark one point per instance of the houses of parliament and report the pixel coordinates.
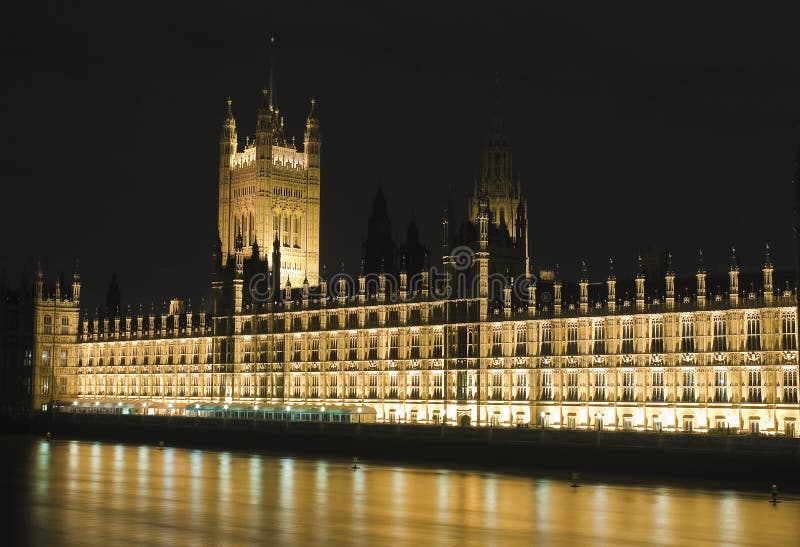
(463, 334)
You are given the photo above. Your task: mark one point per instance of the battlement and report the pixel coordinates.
(245, 158)
(288, 157)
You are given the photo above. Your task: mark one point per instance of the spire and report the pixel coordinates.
(272, 57)
(639, 268)
(669, 263)
(767, 258)
(701, 267)
(584, 272)
(734, 261)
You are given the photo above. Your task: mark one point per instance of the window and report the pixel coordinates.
(720, 331)
(373, 346)
(687, 334)
(627, 336)
(297, 350)
(658, 386)
(572, 386)
(392, 386)
(720, 386)
(414, 391)
(333, 386)
(296, 233)
(572, 422)
(62, 386)
(521, 381)
(521, 336)
(546, 382)
(247, 352)
(462, 385)
(414, 344)
(572, 338)
(754, 386)
(546, 344)
(48, 324)
(46, 358)
(753, 333)
(373, 386)
(285, 231)
(599, 338)
(394, 340)
(438, 344)
(297, 386)
(599, 386)
(496, 386)
(352, 386)
(689, 386)
(438, 383)
(656, 335)
(628, 393)
(65, 325)
(353, 353)
(314, 348)
(62, 361)
(788, 331)
(314, 386)
(790, 386)
(497, 342)
(333, 348)
(276, 228)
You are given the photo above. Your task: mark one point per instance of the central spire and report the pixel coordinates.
(271, 52)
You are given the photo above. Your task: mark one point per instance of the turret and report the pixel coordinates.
(733, 277)
(640, 285)
(767, 270)
(531, 294)
(403, 279)
(362, 284)
(341, 287)
(76, 285)
(228, 142)
(669, 283)
(584, 287)
(287, 288)
(276, 270)
(701, 281)
(311, 142)
(323, 288)
(305, 292)
(556, 291)
(611, 284)
(39, 281)
(238, 280)
(507, 295)
(446, 253)
(382, 284)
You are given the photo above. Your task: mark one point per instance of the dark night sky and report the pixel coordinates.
(630, 125)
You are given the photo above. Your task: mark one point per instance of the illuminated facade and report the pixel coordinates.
(419, 351)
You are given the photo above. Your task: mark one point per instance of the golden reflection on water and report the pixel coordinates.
(89, 493)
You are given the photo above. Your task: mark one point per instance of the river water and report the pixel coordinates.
(92, 493)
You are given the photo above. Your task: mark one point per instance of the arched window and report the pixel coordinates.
(296, 232)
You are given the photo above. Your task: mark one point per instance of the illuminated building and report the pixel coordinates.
(467, 344)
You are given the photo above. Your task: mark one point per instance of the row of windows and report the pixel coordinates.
(374, 386)
(48, 324)
(687, 336)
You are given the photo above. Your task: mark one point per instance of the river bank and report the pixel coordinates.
(742, 459)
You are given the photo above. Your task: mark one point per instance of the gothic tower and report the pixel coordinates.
(271, 190)
(507, 207)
